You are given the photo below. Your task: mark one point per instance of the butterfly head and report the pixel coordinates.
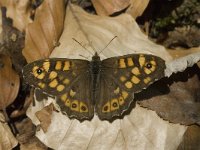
(96, 57)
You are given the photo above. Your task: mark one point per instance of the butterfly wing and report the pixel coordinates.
(122, 76)
(68, 80)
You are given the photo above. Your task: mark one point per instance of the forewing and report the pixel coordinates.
(54, 76)
(67, 79)
(130, 74)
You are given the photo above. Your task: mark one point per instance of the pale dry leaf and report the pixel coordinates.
(137, 7)
(180, 64)
(7, 139)
(141, 129)
(108, 7)
(177, 53)
(43, 34)
(9, 82)
(19, 12)
(95, 32)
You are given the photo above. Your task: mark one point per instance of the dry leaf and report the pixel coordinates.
(109, 7)
(1, 35)
(7, 140)
(191, 138)
(176, 98)
(177, 53)
(21, 111)
(141, 129)
(9, 82)
(137, 7)
(12, 42)
(44, 116)
(19, 12)
(26, 137)
(43, 34)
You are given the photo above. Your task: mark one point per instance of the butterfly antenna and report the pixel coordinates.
(83, 56)
(82, 45)
(107, 45)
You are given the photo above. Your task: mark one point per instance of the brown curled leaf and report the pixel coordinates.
(43, 34)
(177, 98)
(9, 82)
(108, 7)
(137, 7)
(191, 138)
(44, 116)
(7, 139)
(19, 12)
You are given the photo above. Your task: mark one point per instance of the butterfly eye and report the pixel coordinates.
(149, 65)
(39, 71)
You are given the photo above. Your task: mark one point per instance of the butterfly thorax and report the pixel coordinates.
(95, 64)
(95, 67)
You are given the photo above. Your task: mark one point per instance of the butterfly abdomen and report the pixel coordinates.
(95, 68)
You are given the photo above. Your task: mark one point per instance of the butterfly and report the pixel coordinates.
(105, 87)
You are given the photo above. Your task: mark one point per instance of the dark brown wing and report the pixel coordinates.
(67, 79)
(123, 76)
(77, 101)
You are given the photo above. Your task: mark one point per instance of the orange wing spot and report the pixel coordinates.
(63, 97)
(75, 105)
(106, 108)
(153, 68)
(67, 103)
(66, 81)
(83, 107)
(147, 80)
(60, 88)
(52, 75)
(35, 69)
(130, 62)
(142, 60)
(53, 83)
(46, 66)
(122, 63)
(36, 74)
(41, 85)
(153, 63)
(66, 66)
(58, 65)
(114, 104)
(124, 94)
(135, 80)
(116, 91)
(147, 71)
(60, 77)
(122, 78)
(72, 93)
(41, 76)
(135, 71)
(129, 84)
(121, 100)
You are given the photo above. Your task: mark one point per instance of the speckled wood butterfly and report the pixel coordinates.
(105, 87)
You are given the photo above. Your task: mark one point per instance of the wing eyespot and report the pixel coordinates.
(39, 71)
(149, 65)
